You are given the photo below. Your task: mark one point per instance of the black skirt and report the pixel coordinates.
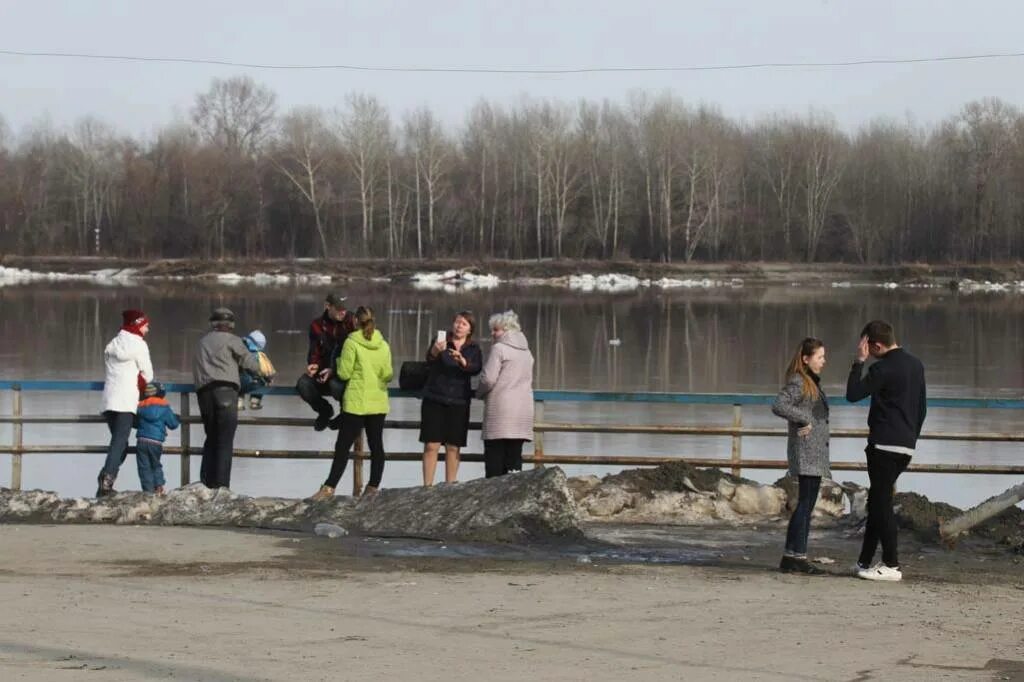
(446, 424)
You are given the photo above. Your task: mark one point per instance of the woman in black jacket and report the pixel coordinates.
(444, 420)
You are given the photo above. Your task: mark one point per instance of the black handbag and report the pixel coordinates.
(413, 375)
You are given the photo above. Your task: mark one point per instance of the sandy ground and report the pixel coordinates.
(137, 603)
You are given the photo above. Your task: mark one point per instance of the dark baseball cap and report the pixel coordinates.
(335, 300)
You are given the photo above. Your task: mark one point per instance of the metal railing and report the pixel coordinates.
(736, 431)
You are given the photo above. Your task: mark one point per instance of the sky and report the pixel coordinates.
(138, 98)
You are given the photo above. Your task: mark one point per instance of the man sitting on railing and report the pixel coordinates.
(215, 369)
(327, 334)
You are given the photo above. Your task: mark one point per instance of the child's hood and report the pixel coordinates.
(154, 401)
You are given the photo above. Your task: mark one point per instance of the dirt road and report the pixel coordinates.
(103, 603)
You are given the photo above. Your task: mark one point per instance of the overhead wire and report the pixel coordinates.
(517, 70)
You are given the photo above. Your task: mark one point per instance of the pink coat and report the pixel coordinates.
(506, 387)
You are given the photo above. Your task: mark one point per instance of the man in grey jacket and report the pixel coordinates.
(215, 370)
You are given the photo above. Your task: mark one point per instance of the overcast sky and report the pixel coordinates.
(138, 97)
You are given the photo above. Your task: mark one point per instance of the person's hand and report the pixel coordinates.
(311, 370)
(863, 350)
(439, 347)
(324, 375)
(458, 358)
(804, 431)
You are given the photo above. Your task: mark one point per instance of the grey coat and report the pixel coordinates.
(218, 358)
(807, 455)
(506, 387)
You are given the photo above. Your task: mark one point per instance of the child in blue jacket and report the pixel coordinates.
(153, 419)
(251, 384)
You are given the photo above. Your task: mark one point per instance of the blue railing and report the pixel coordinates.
(555, 396)
(736, 431)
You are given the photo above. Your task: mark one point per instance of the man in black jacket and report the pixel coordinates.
(898, 407)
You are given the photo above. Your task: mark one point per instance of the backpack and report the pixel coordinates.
(413, 375)
(266, 366)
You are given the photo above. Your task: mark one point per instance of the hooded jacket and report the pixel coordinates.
(506, 386)
(124, 359)
(155, 416)
(366, 366)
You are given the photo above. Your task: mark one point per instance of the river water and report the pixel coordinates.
(724, 340)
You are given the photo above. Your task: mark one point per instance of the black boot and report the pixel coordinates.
(323, 419)
(106, 485)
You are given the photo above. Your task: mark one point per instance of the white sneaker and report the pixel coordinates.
(880, 572)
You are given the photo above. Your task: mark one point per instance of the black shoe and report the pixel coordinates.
(335, 423)
(791, 564)
(106, 485)
(322, 421)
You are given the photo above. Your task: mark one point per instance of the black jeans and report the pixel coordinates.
(800, 521)
(883, 470)
(502, 455)
(313, 392)
(351, 425)
(218, 405)
(120, 425)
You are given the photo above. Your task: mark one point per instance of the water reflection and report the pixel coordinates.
(720, 340)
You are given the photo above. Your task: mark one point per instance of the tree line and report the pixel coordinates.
(652, 177)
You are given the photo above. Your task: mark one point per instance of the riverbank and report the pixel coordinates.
(550, 272)
(127, 603)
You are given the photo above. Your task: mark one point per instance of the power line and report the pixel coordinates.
(524, 71)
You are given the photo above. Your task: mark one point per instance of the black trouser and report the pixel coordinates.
(502, 455)
(120, 425)
(313, 392)
(883, 470)
(218, 405)
(351, 425)
(800, 521)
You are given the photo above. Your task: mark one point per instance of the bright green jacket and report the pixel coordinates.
(366, 366)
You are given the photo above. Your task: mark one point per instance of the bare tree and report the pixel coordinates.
(365, 129)
(301, 156)
(822, 169)
(433, 156)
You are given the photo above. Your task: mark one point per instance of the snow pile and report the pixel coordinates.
(451, 281)
(9, 276)
(611, 282)
(969, 285)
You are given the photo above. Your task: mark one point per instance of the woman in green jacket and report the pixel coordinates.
(365, 363)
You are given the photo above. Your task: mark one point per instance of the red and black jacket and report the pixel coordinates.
(326, 337)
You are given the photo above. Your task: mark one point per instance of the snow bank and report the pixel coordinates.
(452, 281)
(969, 285)
(611, 282)
(11, 276)
(615, 282)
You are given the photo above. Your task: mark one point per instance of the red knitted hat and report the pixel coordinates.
(133, 320)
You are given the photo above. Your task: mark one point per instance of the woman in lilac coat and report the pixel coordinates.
(506, 387)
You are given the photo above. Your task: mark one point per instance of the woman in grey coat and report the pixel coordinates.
(506, 387)
(802, 402)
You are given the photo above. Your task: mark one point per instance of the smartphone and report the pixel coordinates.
(442, 336)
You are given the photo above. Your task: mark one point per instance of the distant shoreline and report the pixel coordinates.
(524, 272)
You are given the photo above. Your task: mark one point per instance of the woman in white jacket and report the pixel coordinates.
(128, 370)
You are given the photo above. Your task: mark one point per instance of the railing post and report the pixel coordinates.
(737, 443)
(538, 436)
(186, 432)
(357, 466)
(16, 440)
